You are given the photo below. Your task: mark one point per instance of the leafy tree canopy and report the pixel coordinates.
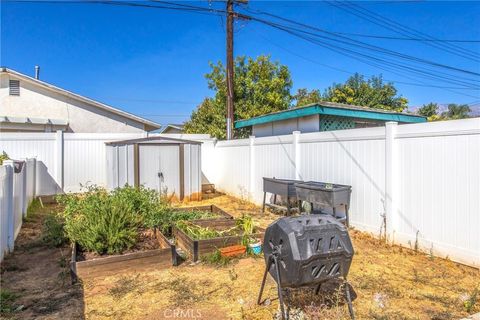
(429, 110)
(260, 86)
(372, 93)
(304, 97)
(454, 111)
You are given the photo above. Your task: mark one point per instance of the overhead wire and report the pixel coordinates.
(391, 25)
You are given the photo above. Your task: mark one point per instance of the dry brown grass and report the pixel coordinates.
(390, 283)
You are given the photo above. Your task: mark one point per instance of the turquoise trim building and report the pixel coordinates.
(324, 116)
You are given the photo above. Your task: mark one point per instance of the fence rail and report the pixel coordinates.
(17, 190)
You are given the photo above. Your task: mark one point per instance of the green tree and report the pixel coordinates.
(372, 93)
(261, 86)
(457, 111)
(304, 97)
(430, 111)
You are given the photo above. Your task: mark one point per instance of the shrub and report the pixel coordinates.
(147, 203)
(101, 222)
(53, 231)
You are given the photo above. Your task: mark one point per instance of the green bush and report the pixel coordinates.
(53, 231)
(100, 221)
(147, 203)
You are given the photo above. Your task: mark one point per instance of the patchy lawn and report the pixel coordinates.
(36, 276)
(390, 283)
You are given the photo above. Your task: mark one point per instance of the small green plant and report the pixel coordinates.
(3, 157)
(7, 301)
(216, 258)
(33, 207)
(471, 301)
(53, 231)
(197, 232)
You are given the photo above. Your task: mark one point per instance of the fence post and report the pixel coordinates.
(297, 157)
(251, 187)
(59, 158)
(24, 188)
(391, 179)
(34, 182)
(9, 198)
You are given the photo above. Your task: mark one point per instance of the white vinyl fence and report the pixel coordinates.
(423, 178)
(17, 190)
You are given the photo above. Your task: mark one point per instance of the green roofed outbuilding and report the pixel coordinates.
(323, 116)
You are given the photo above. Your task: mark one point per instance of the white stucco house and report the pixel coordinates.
(30, 105)
(172, 128)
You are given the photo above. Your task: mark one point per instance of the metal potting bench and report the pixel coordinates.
(325, 195)
(279, 187)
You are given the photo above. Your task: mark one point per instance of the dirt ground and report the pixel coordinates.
(390, 282)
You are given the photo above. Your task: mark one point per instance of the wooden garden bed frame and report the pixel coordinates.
(164, 257)
(198, 248)
(161, 258)
(211, 208)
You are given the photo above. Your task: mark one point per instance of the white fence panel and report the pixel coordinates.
(85, 161)
(439, 189)
(34, 145)
(6, 189)
(17, 190)
(345, 157)
(272, 158)
(18, 197)
(233, 166)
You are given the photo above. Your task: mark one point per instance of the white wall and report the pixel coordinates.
(282, 127)
(38, 102)
(425, 177)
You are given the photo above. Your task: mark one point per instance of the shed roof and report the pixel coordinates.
(334, 109)
(152, 140)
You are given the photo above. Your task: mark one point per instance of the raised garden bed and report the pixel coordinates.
(154, 250)
(196, 248)
(216, 211)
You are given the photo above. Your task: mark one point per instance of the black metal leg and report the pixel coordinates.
(299, 203)
(288, 208)
(264, 199)
(347, 217)
(279, 287)
(317, 290)
(263, 281)
(334, 212)
(349, 301)
(274, 199)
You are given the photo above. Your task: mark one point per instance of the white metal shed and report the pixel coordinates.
(168, 165)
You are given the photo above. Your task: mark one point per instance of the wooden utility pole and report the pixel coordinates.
(229, 70)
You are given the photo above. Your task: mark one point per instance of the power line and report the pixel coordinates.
(391, 25)
(361, 56)
(349, 41)
(365, 58)
(424, 85)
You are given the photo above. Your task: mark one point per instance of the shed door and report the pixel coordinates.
(159, 168)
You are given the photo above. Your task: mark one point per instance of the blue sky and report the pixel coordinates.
(152, 62)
